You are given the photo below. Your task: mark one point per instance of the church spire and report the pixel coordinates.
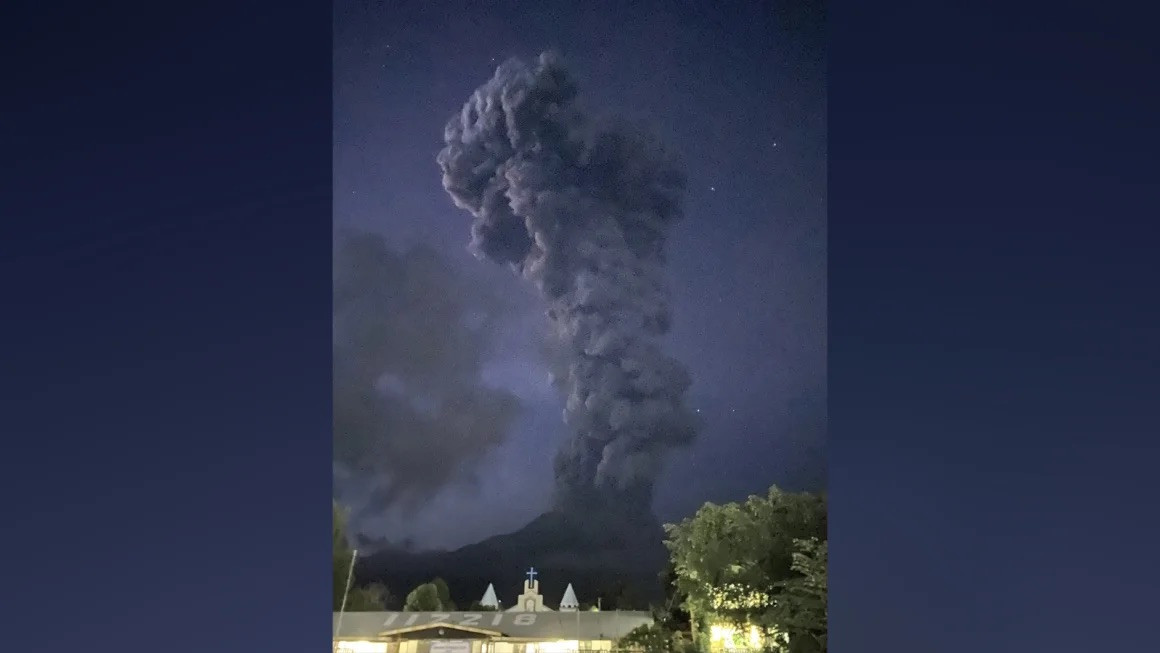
(569, 602)
(530, 600)
(489, 600)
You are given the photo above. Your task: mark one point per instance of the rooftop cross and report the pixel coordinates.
(531, 575)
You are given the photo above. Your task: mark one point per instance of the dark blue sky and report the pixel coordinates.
(740, 95)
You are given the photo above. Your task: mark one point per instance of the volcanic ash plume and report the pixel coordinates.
(581, 209)
(411, 413)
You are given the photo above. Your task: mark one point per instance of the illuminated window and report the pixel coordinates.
(561, 646)
(730, 637)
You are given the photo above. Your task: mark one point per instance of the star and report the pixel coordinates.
(713, 188)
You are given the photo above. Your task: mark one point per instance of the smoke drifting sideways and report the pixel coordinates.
(581, 207)
(411, 413)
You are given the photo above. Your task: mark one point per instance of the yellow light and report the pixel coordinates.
(361, 647)
(729, 637)
(754, 637)
(722, 634)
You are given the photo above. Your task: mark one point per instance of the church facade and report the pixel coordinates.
(529, 625)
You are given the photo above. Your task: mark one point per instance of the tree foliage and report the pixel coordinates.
(434, 596)
(802, 610)
(670, 631)
(370, 598)
(424, 598)
(673, 614)
(736, 562)
(445, 602)
(653, 638)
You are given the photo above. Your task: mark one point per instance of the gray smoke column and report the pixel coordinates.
(411, 412)
(581, 208)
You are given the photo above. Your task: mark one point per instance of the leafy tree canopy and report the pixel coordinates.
(802, 608)
(444, 595)
(434, 596)
(736, 562)
(651, 638)
(424, 598)
(371, 598)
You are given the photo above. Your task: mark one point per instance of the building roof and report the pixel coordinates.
(605, 625)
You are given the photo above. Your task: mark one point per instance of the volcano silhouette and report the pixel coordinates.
(594, 550)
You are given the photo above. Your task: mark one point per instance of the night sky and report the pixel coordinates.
(740, 96)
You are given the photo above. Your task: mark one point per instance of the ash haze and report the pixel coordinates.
(738, 96)
(411, 409)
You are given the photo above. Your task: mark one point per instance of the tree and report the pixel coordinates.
(434, 596)
(801, 612)
(358, 599)
(424, 598)
(670, 630)
(371, 598)
(651, 638)
(673, 614)
(444, 595)
(732, 561)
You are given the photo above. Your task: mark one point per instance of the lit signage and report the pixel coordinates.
(451, 646)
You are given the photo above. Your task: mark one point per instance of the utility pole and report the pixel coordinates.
(345, 593)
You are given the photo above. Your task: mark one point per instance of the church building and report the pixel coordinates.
(527, 626)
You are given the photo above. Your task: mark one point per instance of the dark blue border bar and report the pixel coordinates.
(993, 376)
(166, 351)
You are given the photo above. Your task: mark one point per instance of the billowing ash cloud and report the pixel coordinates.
(411, 413)
(581, 208)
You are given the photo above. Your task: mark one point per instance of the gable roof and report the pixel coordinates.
(439, 624)
(607, 625)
